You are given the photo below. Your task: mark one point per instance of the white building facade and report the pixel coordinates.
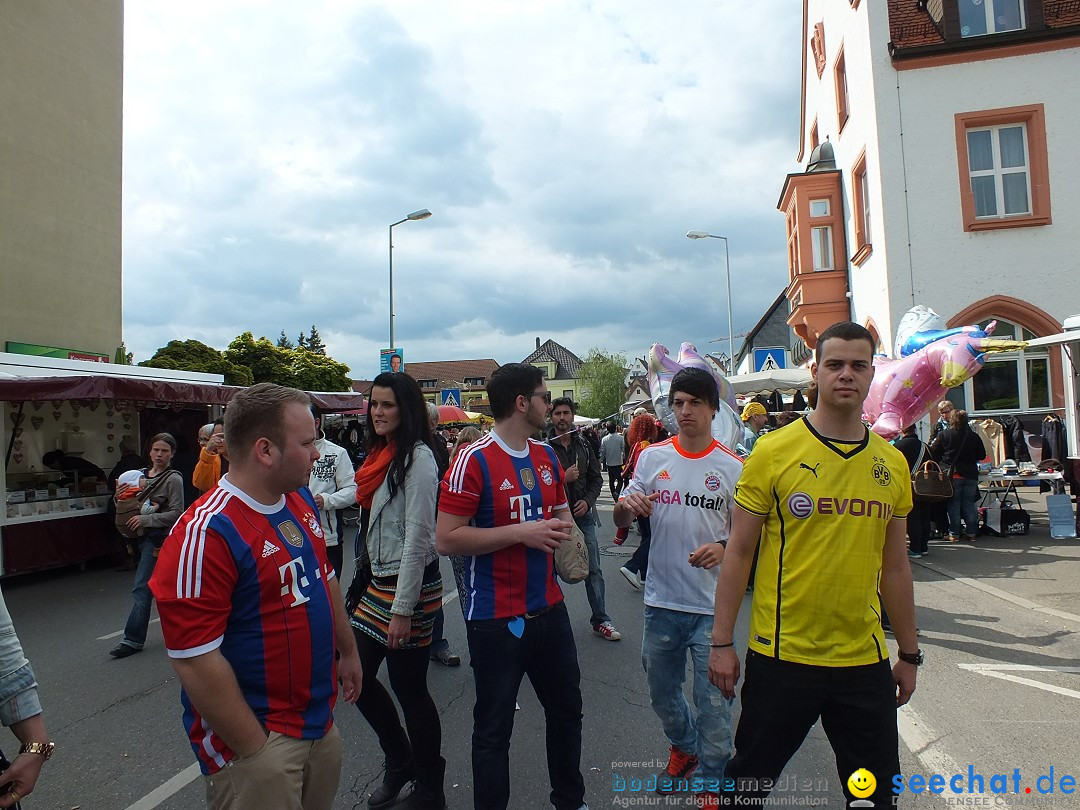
(954, 180)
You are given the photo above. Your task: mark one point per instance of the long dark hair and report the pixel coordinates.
(414, 425)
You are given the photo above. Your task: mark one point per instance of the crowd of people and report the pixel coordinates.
(264, 638)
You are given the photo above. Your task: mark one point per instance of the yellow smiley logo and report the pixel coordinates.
(861, 783)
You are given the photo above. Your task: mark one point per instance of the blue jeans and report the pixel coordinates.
(594, 583)
(962, 505)
(139, 618)
(668, 636)
(547, 654)
(438, 643)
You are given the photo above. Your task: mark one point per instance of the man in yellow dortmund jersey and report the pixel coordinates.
(828, 499)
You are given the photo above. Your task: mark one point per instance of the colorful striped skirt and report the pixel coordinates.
(373, 613)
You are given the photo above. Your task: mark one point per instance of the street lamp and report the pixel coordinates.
(727, 274)
(423, 213)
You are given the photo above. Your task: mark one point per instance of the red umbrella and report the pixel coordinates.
(452, 413)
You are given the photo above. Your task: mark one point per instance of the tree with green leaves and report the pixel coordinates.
(192, 355)
(603, 384)
(283, 341)
(317, 372)
(268, 363)
(314, 342)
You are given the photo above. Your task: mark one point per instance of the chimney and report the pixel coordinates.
(538, 343)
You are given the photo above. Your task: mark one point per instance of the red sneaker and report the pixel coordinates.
(674, 778)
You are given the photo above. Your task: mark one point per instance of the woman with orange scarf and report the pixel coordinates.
(393, 617)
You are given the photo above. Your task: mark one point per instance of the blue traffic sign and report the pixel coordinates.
(770, 359)
(450, 396)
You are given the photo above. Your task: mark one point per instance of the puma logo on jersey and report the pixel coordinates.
(811, 469)
(505, 485)
(269, 548)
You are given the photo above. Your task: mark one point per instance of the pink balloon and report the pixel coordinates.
(903, 391)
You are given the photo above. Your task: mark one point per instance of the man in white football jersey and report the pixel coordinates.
(685, 485)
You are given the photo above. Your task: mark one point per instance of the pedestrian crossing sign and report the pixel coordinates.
(450, 396)
(772, 358)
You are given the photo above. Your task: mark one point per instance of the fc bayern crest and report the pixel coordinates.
(527, 479)
(712, 482)
(545, 475)
(313, 524)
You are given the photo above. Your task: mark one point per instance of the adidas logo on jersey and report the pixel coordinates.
(269, 548)
(664, 476)
(505, 485)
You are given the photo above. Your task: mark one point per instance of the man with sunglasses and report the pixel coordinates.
(503, 508)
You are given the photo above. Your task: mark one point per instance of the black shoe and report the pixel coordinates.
(428, 793)
(122, 650)
(396, 777)
(446, 658)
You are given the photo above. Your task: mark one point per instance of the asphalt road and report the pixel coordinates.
(999, 691)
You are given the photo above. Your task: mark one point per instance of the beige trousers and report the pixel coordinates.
(285, 774)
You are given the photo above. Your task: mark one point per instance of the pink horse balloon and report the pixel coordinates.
(726, 426)
(904, 390)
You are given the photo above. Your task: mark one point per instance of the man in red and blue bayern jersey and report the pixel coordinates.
(503, 507)
(252, 616)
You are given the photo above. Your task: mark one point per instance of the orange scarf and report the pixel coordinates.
(372, 473)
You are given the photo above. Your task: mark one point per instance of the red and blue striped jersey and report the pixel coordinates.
(251, 581)
(495, 485)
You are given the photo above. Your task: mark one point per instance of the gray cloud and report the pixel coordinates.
(565, 149)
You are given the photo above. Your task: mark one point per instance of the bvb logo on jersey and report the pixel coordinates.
(881, 474)
(527, 479)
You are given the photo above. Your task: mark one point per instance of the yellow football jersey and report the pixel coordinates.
(826, 505)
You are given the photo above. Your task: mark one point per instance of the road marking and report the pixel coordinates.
(1001, 671)
(450, 597)
(120, 632)
(1019, 601)
(164, 791)
(923, 742)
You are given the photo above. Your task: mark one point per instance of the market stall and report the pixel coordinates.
(64, 433)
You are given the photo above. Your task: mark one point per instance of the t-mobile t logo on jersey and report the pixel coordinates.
(521, 508)
(293, 579)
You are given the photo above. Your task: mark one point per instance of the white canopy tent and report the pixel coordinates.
(785, 380)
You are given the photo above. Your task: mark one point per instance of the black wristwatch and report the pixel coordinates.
(915, 658)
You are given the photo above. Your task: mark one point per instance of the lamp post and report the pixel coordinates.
(727, 275)
(423, 213)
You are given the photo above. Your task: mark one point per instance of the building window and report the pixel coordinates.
(474, 381)
(860, 193)
(1004, 171)
(998, 167)
(981, 17)
(815, 140)
(840, 79)
(821, 243)
(568, 393)
(819, 208)
(429, 383)
(1017, 381)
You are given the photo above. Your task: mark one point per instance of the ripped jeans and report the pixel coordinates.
(669, 635)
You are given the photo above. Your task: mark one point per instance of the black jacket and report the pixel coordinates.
(590, 481)
(962, 450)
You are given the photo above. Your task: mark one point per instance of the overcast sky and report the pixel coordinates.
(564, 147)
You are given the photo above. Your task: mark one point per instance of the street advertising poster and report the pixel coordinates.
(391, 359)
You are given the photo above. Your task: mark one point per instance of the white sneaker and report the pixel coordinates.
(633, 577)
(607, 630)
